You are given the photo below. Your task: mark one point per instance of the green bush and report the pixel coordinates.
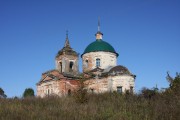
(29, 92)
(2, 94)
(81, 94)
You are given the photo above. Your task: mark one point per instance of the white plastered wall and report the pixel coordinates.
(124, 81)
(65, 60)
(107, 59)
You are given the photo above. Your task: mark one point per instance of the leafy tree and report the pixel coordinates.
(29, 92)
(81, 94)
(174, 82)
(2, 94)
(169, 79)
(148, 93)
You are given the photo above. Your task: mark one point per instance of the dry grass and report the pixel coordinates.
(108, 106)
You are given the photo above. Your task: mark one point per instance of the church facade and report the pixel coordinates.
(100, 71)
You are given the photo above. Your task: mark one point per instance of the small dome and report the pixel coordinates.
(120, 69)
(99, 45)
(66, 50)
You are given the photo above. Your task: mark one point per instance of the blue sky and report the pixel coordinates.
(145, 33)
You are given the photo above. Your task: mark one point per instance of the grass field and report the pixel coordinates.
(107, 106)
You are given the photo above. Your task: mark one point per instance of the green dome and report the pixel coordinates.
(99, 45)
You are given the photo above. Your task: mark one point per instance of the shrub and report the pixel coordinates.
(29, 92)
(80, 94)
(2, 94)
(148, 93)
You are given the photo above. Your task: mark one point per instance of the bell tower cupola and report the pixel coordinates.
(67, 59)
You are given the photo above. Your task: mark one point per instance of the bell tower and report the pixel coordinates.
(67, 59)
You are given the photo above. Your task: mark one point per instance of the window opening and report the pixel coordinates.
(86, 63)
(60, 63)
(71, 66)
(97, 62)
(92, 90)
(69, 92)
(131, 89)
(119, 89)
(48, 92)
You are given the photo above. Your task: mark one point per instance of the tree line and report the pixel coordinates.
(28, 92)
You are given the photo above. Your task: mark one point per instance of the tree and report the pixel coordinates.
(81, 93)
(29, 92)
(174, 83)
(169, 79)
(2, 94)
(148, 93)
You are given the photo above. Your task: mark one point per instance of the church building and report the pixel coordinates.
(100, 71)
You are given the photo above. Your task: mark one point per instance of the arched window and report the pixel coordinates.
(69, 92)
(71, 66)
(86, 63)
(60, 64)
(98, 62)
(48, 92)
(92, 90)
(131, 89)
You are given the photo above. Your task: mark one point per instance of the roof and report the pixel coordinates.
(120, 70)
(107, 69)
(56, 75)
(66, 50)
(97, 69)
(99, 45)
